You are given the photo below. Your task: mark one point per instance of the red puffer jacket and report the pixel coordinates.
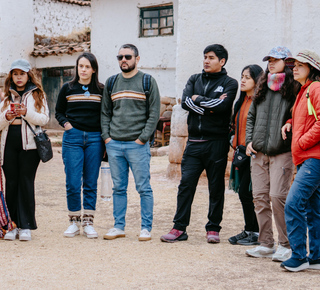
(305, 128)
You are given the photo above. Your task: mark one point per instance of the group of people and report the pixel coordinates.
(275, 120)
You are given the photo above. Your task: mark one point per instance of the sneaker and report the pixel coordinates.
(174, 236)
(12, 235)
(314, 264)
(282, 254)
(114, 233)
(261, 252)
(295, 265)
(250, 240)
(25, 235)
(90, 232)
(145, 235)
(72, 231)
(213, 237)
(233, 240)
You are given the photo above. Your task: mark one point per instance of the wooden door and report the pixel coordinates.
(52, 81)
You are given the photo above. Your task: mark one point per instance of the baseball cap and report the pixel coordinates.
(278, 52)
(21, 64)
(306, 56)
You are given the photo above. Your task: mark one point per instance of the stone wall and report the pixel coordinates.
(166, 108)
(53, 18)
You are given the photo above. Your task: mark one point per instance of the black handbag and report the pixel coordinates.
(43, 143)
(240, 158)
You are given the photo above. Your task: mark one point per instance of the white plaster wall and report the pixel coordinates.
(117, 22)
(53, 18)
(16, 31)
(248, 29)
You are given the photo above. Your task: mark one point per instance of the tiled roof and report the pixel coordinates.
(60, 48)
(78, 2)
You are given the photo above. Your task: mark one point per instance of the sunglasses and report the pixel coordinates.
(126, 56)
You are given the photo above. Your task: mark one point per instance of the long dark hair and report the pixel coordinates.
(255, 72)
(38, 93)
(314, 74)
(288, 90)
(94, 79)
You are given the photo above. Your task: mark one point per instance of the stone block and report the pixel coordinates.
(163, 150)
(176, 149)
(162, 109)
(179, 126)
(174, 170)
(173, 102)
(165, 100)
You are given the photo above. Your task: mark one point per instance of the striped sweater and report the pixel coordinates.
(80, 108)
(123, 114)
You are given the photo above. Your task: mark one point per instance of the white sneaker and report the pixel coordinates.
(72, 231)
(90, 232)
(12, 235)
(145, 235)
(282, 254)
(261, 252)
(25, 235)
(114, 233)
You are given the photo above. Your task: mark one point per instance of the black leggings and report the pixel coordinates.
(20, 167)
(245, 196)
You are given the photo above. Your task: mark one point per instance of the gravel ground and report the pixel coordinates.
(51, 261)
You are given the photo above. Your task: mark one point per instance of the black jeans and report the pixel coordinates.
(198, 156)
(19, 169)
(245, 196)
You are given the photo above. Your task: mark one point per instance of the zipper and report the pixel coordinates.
(200, 116)
(268, 126)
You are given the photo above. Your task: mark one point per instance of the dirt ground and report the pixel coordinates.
(51, 261)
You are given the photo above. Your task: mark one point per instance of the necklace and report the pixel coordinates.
(86, 93)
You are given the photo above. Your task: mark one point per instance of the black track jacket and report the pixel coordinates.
(209, 117)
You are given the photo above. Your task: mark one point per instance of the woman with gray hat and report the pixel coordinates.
(272, 169)
(24, 101)
(302, 210)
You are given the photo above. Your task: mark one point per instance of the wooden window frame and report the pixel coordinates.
(157, 21)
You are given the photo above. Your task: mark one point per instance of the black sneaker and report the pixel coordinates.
(314, 264)
(251, 239)
(233, 240)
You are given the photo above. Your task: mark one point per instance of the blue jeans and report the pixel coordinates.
(122, 155)
(302, 210)
(82, 154)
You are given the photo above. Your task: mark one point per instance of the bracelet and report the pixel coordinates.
(65, 124)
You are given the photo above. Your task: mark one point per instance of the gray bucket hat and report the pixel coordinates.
(21, 64)
(306, 56)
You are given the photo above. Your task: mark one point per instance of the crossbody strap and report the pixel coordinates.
(34, 133)
(311, 109)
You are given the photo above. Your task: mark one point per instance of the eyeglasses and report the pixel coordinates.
(126, 56)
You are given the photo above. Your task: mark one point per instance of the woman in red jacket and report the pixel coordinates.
(302, 209)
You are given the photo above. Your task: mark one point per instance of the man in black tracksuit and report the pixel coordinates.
(209, 98)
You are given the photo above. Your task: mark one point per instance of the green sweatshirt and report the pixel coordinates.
(123, 114)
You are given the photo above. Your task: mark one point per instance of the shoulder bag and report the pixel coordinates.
(240, 158)
(43, 143)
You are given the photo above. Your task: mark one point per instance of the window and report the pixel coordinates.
(156, 21)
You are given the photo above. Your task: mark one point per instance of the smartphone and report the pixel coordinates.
(14, 106)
